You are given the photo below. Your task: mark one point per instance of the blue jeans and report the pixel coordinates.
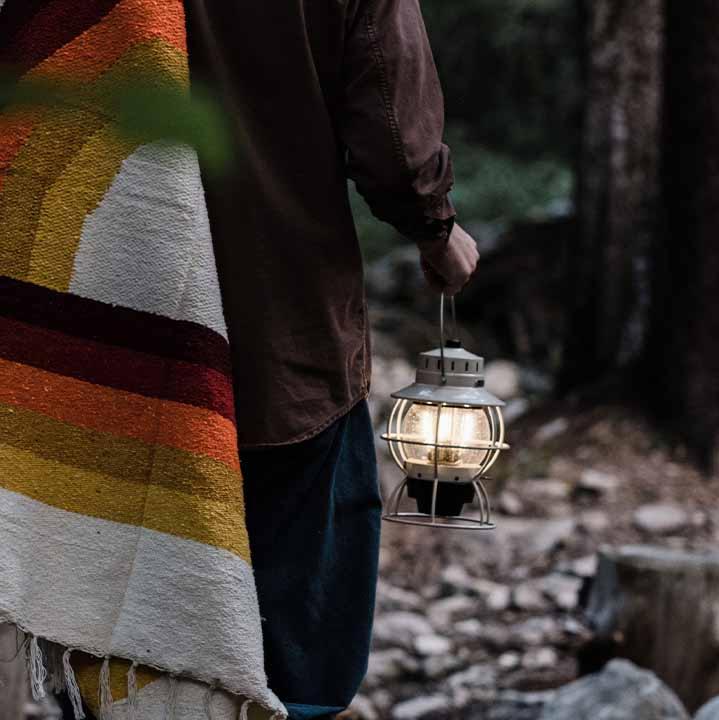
(313, 517)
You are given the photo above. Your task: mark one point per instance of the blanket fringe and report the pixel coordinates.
(104, 692)
(38, 672)
(132, 691)
(71, 687)
(171, 698)
(50, 670)
(244, 709)
(208, 702)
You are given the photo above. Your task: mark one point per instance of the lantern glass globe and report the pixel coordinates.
(458, 435)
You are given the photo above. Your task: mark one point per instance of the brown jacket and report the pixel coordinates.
(322, 90)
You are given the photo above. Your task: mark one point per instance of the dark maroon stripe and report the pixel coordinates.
(114, 325)
(31, 31)
(115, 367)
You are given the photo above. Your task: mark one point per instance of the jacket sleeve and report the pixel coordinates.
(392, 119)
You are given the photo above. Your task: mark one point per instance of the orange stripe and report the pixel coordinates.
(130, 22)
(15, 129)
(120, 413)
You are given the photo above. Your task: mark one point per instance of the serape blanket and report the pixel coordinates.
(122, 530)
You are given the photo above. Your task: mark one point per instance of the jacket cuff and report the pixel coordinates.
(435, 227)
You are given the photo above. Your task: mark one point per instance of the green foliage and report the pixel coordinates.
(141, 109)
(510, 70)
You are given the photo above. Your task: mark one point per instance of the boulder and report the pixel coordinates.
(661, 518)
(422, 708)
(621, 691)
(708, 711)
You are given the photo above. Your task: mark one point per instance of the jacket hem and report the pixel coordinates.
(316, 430)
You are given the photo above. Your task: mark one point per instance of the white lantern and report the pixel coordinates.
(445, 432)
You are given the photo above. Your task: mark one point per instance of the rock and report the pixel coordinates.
(539, 630)
(509, 503)
(509, 660)
(481, 675)
(501, 378)
(496, 596)
(551, 489)
(514, 409)
(432, 645)
(529, 596)
(390, 664)
(562, 589)
(446, 611)
(708, 711)
(438, 666)
(551, 534)
(597, 483)
(390, 597)
(539, 658)
(585, 567)
(621, 691)
(661, 518)
(383, 700)
(400, 628)
(471, 628)
(594, 521)
(455, 577)
(430, 706)
(517, 705)
(551, 430)
(496, 636)
(361, 708)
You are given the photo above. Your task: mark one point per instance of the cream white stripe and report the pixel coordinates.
(148, 245)
(115, 589)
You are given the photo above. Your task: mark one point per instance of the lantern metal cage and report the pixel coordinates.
(445, 431)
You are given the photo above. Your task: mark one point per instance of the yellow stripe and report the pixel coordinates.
(79, 189)
(92, 493)
(53, 141)
(129, 458)
(122, 479)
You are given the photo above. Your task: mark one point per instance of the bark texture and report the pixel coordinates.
(683, 357)
(618, 185)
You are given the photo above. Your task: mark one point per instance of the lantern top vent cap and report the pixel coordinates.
(463, 383)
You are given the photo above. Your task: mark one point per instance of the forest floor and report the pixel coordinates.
(483, 625)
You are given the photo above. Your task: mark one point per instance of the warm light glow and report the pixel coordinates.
(456, 426)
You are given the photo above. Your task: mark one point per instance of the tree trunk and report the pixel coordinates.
(660, 609)
(618, 181)
(683, 355)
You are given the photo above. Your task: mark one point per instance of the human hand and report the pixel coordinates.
(449, 268)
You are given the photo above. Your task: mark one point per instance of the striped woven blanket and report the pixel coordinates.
(123, 546)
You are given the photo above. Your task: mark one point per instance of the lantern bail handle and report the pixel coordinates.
(441, 331)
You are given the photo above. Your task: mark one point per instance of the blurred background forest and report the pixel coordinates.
(584, 138)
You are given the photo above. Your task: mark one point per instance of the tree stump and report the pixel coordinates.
(660, 609)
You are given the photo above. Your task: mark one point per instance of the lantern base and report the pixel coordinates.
(447, 523)
(453, 501)
(451, 497)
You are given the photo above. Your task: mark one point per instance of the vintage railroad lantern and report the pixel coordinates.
(445, 432)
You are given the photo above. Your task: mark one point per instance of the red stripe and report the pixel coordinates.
(116, 367)
(114, 325)
(33, 31)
